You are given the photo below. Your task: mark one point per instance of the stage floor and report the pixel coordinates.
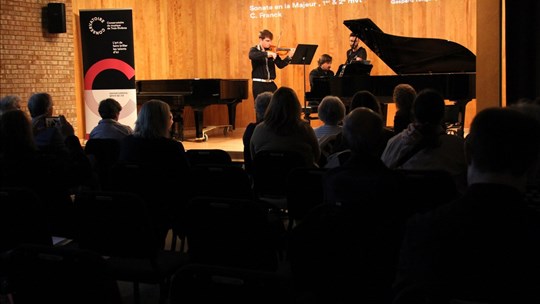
(231, 142)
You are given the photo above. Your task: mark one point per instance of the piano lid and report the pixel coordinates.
(409, 55)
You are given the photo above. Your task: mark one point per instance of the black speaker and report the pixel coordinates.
(56, 17)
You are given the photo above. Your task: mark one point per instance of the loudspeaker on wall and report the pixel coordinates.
(56, 17)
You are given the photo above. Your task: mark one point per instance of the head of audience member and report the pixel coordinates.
(10, 102)
(109, 109)
(404, 95)
(428, 108)
(331, 110)
(154, 120)
(325, 62)
(261, 104)
(40, 104)
(16, 137)
(363, 129)
(365, 99)
(502, 146)
(283, 113)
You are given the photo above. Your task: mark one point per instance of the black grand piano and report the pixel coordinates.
(440, 64)
(196, 93)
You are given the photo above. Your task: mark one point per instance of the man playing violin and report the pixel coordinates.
(264, 59)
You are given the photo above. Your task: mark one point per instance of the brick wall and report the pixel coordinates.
(33, 60)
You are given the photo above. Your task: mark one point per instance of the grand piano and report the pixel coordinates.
(440, 64)
(197, 94)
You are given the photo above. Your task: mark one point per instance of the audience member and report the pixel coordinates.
(424, 145)
(10, 102)
(160, 159)
(363, 131)
(283, 129)
(404, 95)
(483, 247)
(16, 138)
(50, 176)
(109, 127)
(366, 99)
(46, 136)
(151, 142)
(331, 113)
(362, 224)
(59, 137)
(261, 104)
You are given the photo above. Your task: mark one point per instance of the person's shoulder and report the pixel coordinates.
(249, 129)
(125, 128)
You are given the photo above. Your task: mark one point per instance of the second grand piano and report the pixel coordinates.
(196, 93)
(443, 65)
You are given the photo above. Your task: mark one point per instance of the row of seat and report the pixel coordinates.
(65, 275)
(221, 219)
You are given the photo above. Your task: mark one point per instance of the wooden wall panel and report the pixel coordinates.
(211, 38)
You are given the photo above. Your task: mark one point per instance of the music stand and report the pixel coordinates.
(303, 54)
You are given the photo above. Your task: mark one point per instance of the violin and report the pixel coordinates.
(281, 51)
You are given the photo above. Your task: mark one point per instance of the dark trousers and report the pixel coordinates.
(259, 87)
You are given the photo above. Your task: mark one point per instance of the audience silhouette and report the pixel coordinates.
(424, 145)
(10, 102)
(261, 104)
(484, 246)
(283, 129)
(109, 127)
(403, 97)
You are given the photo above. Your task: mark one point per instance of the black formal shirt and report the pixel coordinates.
(352, 55)
(319, 72)
(263, 67)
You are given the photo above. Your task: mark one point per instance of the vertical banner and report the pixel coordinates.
(108, 63)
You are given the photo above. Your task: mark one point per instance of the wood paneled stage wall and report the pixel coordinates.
(211, 38)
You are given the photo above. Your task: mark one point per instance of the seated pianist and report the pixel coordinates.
(323, 71)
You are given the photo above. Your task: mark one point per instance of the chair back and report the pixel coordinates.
(208, 156)
(40, 274)
(115, 224)
(103, 154)
(198, 283)
(22, 218)
(304, 192)
(271, 168)
(105, 150)
(164, 190)
(230, 232)
(219, 181)
(118, 225)
(429, 188)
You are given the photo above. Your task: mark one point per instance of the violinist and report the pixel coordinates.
(264, 59)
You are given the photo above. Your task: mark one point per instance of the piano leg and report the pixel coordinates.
(231, 109)
(177, 130)
(462, 106)
(198, 114)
